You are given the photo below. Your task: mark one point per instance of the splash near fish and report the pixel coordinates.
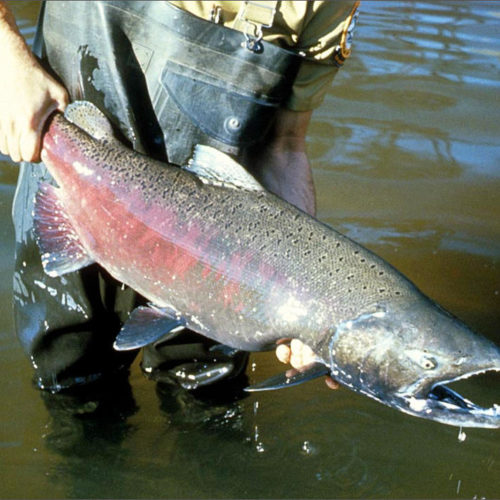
(213, 251)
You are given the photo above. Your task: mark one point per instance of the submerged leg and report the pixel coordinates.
(67, 324)
(192, 361)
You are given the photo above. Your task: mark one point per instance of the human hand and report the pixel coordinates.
(299, 355)
(28, 96)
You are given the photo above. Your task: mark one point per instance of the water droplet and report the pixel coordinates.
(260, 447)
(461, 435)
(307, 448)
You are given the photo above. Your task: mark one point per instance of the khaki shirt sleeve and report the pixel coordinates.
(325, 42)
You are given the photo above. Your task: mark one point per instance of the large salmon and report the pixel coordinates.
(213, 251)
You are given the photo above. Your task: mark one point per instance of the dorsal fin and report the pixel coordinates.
(91, 119)
(217, 168)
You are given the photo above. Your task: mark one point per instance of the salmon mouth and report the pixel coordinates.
(442, 404)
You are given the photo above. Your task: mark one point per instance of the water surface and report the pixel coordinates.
(406, 159)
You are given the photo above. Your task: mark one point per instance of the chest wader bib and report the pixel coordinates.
(167, 80)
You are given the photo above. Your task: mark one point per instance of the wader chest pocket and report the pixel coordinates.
(216, 107)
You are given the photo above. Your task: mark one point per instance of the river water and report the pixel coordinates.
(406, 158)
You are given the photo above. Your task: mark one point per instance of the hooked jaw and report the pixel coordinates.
(405, 358)
(440, 403)
(430, 397)
(435, 401)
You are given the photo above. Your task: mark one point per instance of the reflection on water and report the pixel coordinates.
(405, 154)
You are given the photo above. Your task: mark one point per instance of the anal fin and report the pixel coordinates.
(290, 378)
(61, 249)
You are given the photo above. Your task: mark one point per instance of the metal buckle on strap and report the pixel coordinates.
(216, 14)
(251, 18)
(253, 40)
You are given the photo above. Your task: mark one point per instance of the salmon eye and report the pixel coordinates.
(428, 363)
(422, 359)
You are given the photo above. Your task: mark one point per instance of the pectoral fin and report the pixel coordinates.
(145, 326)
(290, 378)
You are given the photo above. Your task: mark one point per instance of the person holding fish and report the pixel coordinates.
(243, 77)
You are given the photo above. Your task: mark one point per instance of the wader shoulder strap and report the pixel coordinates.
(251, 18)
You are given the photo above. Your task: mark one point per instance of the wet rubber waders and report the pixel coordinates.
(167, 80)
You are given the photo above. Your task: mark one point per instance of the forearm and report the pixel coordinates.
(287, 173)
(283, 167)
(281, 163)
(6, 16)
(11, 40)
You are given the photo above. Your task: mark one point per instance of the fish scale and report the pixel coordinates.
(290, 242)
(213, 251)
